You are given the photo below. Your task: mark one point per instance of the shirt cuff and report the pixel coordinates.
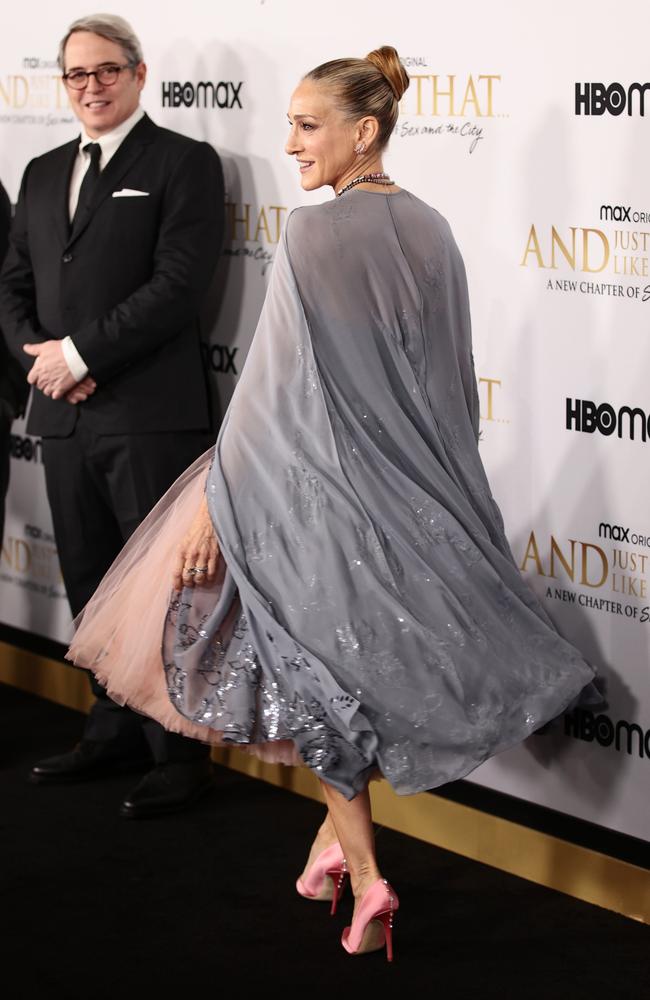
(76, 364)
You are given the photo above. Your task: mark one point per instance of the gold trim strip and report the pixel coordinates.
(538, 857)
(47, 678)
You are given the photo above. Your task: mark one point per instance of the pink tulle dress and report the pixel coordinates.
(119, 634)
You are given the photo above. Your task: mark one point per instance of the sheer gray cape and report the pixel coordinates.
(371, 610)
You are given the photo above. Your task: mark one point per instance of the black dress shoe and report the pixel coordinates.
(88, 760)
(169, 788)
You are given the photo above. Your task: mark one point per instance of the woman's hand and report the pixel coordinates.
(196, 559)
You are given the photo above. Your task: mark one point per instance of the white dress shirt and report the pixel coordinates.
(109, 144)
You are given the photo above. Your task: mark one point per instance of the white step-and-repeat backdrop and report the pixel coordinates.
(528, 127)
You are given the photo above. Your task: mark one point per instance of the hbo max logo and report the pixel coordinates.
(588, 417)
(224, 94)
(613, 98)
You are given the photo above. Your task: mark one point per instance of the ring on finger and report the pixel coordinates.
(193, 570)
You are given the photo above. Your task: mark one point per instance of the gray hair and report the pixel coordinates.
(108, 26)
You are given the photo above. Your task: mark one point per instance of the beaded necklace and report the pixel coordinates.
(378, 178)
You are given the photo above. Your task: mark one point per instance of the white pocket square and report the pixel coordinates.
(130, 193)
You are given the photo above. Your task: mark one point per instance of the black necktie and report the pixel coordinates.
(89, 182)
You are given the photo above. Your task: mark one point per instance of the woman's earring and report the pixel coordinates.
(360, 148)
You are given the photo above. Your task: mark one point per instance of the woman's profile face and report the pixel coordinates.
(319, 138)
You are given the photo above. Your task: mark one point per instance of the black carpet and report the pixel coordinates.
(203, 904)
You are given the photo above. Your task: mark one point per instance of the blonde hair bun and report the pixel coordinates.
(370, 86)
(388, 63)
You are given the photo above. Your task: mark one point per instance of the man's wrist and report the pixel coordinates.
(76, 364)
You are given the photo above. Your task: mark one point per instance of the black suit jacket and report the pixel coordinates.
(14, 389)
(127, 286)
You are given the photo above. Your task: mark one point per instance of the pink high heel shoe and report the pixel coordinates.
(372, 925)
(325, 879)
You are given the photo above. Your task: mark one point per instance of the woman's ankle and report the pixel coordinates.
(362, 879)
(326, 832)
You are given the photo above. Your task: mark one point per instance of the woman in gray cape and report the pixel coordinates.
(345, 597)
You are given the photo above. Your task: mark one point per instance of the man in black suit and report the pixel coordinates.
(13, 388)
(114, 244)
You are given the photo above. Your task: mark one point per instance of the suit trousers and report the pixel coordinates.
(100, 487)
(5, 429)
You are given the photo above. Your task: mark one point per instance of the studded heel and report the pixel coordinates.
(372, 925)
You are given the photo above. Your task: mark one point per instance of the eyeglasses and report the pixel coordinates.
(105, 75)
